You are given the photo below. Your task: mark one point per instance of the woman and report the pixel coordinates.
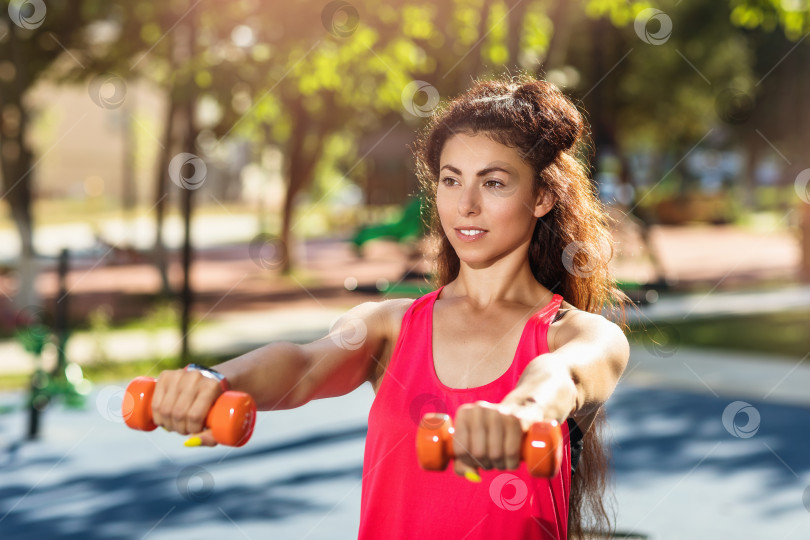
(513, 334)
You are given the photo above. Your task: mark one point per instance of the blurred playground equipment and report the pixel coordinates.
(65, 380)
(406, 229)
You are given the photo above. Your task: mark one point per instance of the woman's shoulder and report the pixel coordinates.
(393, 311)
(571, 322)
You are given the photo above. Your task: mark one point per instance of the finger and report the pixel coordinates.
(198, 409)
(495, 439)
(512, 440)
(203, 438)
(163, 398)
(478, 430)
(463, 467)
(186, 394)
(461, 443)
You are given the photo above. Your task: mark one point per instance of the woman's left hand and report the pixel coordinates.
(489, 435)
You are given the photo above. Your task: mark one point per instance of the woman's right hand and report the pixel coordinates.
(181, 403)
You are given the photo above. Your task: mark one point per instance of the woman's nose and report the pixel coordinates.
(468, 201)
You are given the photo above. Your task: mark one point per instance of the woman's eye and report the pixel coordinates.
(495, 183)
(446, 180)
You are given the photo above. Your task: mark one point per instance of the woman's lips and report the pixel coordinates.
(469, 238)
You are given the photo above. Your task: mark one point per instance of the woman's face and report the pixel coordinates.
(486, 186)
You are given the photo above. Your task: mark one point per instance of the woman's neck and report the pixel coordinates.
(482, 289)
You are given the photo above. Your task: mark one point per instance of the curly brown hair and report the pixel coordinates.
(571, 245)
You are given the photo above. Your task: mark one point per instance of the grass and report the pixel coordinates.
(107, 372)
(783, 333)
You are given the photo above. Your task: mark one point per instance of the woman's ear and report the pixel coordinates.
(544, 203)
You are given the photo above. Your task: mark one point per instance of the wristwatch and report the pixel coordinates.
(211, 374)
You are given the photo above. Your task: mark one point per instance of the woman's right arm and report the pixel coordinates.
(281, 375)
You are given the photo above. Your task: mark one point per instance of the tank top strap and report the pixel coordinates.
(536, 339)
(547, 314)
(414, 334)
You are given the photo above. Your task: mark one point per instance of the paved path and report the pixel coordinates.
(724, 303)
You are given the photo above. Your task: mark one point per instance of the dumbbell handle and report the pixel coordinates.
(541, 447)
(231, 417)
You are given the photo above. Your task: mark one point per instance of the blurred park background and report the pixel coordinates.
(189, 179)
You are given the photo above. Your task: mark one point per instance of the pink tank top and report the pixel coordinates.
(400, 500)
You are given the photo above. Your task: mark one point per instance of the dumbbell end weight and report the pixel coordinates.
(434, 441)
(232, 418)
(543, 449)
(136, 407)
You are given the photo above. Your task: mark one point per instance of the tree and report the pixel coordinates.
(785, 67)
(32, 39)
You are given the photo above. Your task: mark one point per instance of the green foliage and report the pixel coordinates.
(620, 13)
(793, 16)
(783, 333)
(669, 92)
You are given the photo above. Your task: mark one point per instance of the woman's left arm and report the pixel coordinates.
(578, 375)
(587, 357)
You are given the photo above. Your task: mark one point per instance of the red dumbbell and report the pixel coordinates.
(231, 418)
(541, 447)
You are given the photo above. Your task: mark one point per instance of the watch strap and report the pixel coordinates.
(211, 374)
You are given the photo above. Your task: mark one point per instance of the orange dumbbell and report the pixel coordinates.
(231, 418)
(541, 447)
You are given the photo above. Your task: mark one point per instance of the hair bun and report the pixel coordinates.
(556, 119)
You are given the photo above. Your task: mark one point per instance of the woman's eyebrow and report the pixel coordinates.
(482, 172)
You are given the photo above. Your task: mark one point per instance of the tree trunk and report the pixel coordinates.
(162, 193)
(17, 191)
(514, 33)
(301, 161)
(802, 142)
(474, 61)
(129, 194)
(17, 164)
(558, 45)
(189, 103)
